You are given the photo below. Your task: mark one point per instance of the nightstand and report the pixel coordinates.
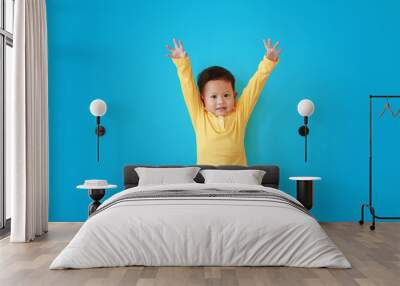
(96, 190)
(305, 190)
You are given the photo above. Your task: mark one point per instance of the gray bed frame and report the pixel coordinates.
(270, 179)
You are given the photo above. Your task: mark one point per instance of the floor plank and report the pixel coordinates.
(375, 257)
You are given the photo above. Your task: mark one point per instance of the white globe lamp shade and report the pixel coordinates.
(305, 107)
(98, 107)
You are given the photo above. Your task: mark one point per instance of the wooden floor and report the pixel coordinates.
(375, 257)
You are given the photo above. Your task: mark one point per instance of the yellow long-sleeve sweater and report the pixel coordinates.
(220, 139)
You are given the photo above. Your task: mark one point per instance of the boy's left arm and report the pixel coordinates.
(252, 91)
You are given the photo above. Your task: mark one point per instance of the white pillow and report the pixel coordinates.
(248, 177)
(162, 176)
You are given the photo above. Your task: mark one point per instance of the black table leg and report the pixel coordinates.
(96, 195)
(305, 193)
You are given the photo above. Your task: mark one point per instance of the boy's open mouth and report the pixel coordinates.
(221, 108)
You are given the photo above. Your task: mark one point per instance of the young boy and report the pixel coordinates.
(219, 120)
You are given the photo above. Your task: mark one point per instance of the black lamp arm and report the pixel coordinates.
(304, 131)
(100, 131)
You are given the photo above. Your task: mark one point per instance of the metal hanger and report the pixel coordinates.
(388, 107)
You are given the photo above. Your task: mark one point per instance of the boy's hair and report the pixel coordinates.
(214, 73)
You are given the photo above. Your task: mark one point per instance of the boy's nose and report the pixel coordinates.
(220, 100)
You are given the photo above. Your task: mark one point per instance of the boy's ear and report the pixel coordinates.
(235, 94)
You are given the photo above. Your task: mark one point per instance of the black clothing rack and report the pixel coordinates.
(369, 205)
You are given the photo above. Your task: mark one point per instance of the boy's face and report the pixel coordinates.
(219, 97)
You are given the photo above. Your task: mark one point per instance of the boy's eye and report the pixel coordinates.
(227, 95)
(213, 96)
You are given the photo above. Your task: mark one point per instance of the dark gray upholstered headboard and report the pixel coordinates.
(271, 177)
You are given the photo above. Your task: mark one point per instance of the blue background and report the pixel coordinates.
(335, 53)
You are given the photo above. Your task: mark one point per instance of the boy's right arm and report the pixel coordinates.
(188, 85)
(189, 89)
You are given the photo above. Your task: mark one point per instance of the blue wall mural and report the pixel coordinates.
(334, 53)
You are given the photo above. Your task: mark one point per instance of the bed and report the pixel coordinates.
(201, 224)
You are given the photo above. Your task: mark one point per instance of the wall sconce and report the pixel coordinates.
(98, 108)
(305, 109)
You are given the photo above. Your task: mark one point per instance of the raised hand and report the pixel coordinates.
(177, 52)
(272, 52)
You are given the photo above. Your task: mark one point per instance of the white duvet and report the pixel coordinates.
(200, 231)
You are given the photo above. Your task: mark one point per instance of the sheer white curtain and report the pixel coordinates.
(27, 124)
